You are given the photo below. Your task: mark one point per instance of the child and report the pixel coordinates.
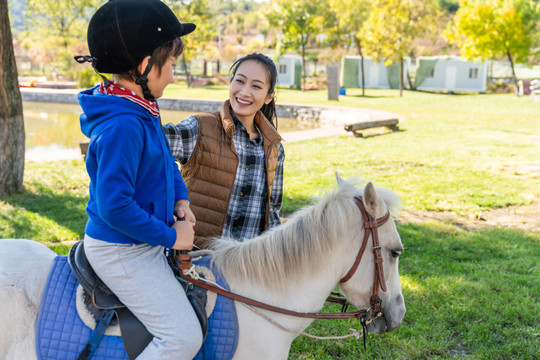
(135, 185)
(232, 161)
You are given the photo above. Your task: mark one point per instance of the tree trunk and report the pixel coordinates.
(304, 66)
(360, 52)
(188, 76)
(11, 118)
(401, 77)
(514, 77)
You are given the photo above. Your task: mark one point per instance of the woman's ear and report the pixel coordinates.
(143, 64)
(269, 98)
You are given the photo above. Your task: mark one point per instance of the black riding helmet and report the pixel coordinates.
(123, 32)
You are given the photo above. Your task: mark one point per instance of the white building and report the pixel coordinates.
(378, 76)
(289, 69)
(450, 73)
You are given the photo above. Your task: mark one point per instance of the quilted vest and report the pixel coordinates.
(210, 172)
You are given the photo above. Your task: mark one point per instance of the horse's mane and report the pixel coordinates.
(299, 243)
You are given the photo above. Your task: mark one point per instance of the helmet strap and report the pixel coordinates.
(142, 80)
(87, 58)
(105, 80)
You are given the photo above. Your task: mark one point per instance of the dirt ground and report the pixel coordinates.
(526, 218)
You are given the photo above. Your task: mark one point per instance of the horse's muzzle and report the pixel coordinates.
(390, 320)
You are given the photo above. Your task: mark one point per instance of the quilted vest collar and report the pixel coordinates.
(269, 132)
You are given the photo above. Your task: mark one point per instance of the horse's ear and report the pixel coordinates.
(339, 179)
(371, 199)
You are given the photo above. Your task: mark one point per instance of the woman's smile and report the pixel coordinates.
(248, 91)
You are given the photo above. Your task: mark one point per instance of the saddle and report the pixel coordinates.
(135, 336)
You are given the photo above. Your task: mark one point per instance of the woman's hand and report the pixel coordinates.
(182, 210)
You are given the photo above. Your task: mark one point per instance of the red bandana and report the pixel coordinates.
(114, 89)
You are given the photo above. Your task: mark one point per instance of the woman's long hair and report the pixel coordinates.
(268, 110)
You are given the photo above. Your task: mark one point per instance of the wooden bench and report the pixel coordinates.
(355, 128)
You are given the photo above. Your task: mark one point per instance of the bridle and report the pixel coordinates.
(364, 315)
(370, 227)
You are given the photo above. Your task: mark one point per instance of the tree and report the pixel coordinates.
(54, 31)
(200, 13)
(298, 21)
(346, 18)
(491, 28)
(66, 19)
(392, 26)
(11, 118)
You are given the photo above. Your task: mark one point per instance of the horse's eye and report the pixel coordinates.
(396, 253)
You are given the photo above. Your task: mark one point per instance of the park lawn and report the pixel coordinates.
(471, 294)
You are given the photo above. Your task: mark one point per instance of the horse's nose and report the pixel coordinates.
(395, 313)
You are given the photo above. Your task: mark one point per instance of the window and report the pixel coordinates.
(473, 73)
(282, 68)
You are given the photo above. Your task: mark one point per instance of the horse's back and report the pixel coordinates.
(24, 267)
(25, 264)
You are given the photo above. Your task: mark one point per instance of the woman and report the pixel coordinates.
(232, 160)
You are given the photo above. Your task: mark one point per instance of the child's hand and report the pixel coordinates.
(182, 210)
(184, 235)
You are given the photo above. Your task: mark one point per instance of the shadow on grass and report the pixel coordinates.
(478, 287)
(367, 96)
(372, 135)
(67, 210)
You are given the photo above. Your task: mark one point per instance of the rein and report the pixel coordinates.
(365, 315)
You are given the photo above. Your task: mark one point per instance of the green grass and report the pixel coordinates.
(470, 294)
(51, 209)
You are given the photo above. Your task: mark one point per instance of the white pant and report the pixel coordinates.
(141, 278)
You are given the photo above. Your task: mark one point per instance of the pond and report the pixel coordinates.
(52, 127)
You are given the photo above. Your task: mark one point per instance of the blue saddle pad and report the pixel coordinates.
(222, 337)
(61, 334)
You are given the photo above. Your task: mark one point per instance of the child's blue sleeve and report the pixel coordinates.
(118, 154)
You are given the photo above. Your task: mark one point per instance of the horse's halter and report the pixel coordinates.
(370, 227)
(365, 315)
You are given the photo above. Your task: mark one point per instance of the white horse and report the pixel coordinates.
(294, 266)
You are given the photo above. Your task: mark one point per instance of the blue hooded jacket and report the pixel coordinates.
(134, 180)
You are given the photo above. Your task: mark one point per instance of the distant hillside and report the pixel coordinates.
(16, 12)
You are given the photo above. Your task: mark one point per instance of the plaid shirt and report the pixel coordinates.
(247, 205)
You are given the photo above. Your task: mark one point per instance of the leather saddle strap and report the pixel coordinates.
(96, 335)
(134, 334)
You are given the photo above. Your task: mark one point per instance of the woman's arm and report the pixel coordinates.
(277, 189)
(182, 138)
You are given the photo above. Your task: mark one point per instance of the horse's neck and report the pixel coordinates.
(265, 336)
(302, 293)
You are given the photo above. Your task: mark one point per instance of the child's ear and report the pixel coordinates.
(269, 98)
(143, 64)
